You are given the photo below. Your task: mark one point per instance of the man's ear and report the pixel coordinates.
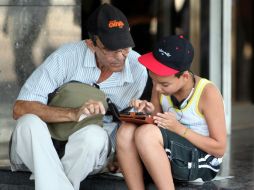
(90, 45)
(92, 37)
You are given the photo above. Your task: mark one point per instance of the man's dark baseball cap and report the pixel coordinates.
(111, 25)
(171, 55)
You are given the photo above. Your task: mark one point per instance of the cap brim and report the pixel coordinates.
(117, 41)
(149, 61)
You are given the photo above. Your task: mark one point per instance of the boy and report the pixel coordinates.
(188, 138)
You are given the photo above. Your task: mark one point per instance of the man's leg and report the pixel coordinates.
(85, 153)
(32, 144)
(128, 157)
(149, 143)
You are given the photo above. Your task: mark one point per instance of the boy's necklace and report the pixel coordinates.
(182, 104)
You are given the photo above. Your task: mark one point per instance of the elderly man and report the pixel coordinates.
(107, 60)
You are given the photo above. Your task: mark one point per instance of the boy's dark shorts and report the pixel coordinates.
(187, 161)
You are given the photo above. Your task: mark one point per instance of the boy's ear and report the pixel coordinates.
(186, 74)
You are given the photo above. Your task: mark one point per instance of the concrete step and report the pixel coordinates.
(20, 181)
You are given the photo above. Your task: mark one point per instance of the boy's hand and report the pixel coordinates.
(166, 120)
(142, 106)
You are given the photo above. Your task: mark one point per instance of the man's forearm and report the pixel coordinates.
(46, 113)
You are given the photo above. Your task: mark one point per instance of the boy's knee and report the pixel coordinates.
(146, 134)
(125, 134)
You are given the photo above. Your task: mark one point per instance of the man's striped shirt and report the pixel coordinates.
(76, 62)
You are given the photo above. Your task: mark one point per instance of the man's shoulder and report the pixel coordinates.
(133, 60)
(72, 47)
(133, 56)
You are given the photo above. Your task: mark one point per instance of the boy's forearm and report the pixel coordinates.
(205, 143)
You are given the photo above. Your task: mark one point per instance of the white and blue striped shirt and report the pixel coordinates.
(76, 62)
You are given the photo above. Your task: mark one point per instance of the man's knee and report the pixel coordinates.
(94, 136)
(29, 124)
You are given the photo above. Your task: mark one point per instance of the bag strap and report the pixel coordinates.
(113, 111)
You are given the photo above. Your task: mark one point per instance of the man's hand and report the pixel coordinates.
(91, 107)
(142, 106)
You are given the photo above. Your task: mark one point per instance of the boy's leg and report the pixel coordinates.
(32, 145)
(149, 143)
(187, 161)
(128, 157)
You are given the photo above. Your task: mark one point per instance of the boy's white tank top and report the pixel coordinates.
(190, 115)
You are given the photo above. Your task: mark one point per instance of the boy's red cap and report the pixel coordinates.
(171, 55)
